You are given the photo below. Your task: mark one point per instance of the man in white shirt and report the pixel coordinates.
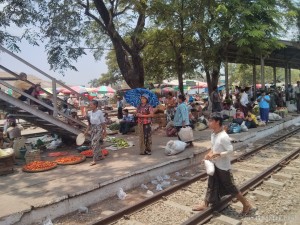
(244, 101)
(221, 183)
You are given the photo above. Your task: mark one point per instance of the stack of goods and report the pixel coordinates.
(6, 161)
(160, 119)
(32, 155)
(113, 128)
(281, 111)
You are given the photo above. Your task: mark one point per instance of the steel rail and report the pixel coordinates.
(204, 215)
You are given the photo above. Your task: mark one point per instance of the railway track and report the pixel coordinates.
(257, 167)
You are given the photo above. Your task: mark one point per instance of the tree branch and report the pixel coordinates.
(109, 26)
(88, 13)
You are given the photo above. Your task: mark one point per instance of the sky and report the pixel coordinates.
(87, 67)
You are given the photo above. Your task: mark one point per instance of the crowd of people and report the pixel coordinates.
(181, 111)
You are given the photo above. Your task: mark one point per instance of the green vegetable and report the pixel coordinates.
(114, 126)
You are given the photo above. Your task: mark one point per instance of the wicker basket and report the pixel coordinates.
(7, 165)
(33, 155)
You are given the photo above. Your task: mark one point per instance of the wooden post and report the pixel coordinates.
(286, 82)
(290, 75)
(254, 80)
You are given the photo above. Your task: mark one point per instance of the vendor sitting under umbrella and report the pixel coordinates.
(127, 122)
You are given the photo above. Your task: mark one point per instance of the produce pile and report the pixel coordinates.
(114, 126)
(255, 110)
(281, 109)
(55, 154)
(89, 153)
(118, 142)
(39, 166)
(68, 160)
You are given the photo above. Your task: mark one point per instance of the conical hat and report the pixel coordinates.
(80, 139)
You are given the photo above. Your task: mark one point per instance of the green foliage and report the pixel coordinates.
(181, 37)
(18, 14)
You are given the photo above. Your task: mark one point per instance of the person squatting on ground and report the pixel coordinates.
(127, 122)
(144, 114)
(120, 106)
(181, 118)
(222, 182)
(97, 125)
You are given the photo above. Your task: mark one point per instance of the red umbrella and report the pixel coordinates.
(168, 89)
(200, 85)
(78, 89)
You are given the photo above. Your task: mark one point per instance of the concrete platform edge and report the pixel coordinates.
(98, 192)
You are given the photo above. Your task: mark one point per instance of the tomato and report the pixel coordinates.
(39, 165)
(69, 159)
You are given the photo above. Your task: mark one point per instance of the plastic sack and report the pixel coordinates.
(234, 128)
(274, 117)
(174, 147)
(54, 144)
(244, 127)
(210, 167)
(159, 187)
(186, 134)
(121, 194)
(83, 209)
(291, 107)
(149, 193)
(144, 186)
(47, 221)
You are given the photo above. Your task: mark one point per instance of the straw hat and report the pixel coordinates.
(80, 139)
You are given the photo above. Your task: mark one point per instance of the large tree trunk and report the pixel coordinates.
(180, 69)
(128, 57)
(212, 77)
(131, 66)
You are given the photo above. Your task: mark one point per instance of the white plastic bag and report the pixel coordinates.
(159, 187)
(174, 147)
(121, 194)
(47, 221)
(291, 107)
(244, 127)
(149, 193)
(210, 167)
(144, 186)
(83, 209)
(186, 134)
(274, 117)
